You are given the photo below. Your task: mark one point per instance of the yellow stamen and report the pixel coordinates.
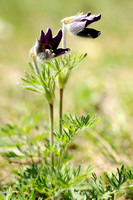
(68, 20)
(51, 50)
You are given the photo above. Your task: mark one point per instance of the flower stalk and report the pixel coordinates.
(51, 139)
(61, 90)
(61, 109)
(64, 36)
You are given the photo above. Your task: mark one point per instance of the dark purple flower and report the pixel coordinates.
(77, 25)
(47, 46)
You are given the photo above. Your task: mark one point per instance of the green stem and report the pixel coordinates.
(61, 109)
(60, 117)
(61, 90)
(51, 106)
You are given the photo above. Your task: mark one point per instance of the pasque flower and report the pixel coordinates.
(47, 46)
(77, 25)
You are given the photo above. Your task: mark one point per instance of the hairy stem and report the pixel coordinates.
(61, 109)
(60, 117)
(115, 196)
(64, 36)
(51, 132)
(61, 90)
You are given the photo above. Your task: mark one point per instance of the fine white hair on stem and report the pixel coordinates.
(64, 35)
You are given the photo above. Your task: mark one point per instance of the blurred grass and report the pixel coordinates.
(102, 84)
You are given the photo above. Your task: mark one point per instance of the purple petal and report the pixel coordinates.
(60, 51)
(83, 17)
(89, 33)
(56, 40)
(42, 37)
(88, 14)
(48, 36)
(93, 18)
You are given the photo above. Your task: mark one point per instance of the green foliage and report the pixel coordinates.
(7, 195)
(55, 182)
(50, 182)
(76, 123)
(21, 144)
(68, 183)
(72, 125)
(40, 180)
(42, 83)
(18, 143)
(67, 64)
(117, 182)
(109, 185)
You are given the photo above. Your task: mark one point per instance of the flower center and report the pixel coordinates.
(43, 47)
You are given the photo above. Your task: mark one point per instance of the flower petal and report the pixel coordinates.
(61, 51)
(83, 17)
(48, 36)
(92, 18)
(76, 27)
(88, 14)
(42, 37)
(56, 40)
(90, 33)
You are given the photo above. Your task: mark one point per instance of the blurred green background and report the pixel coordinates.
(102, 84)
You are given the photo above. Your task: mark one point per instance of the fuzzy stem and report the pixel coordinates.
(36, 65)
(61, 89)
(115, 196)
(61, 109)
(64, 36)
(51, 132)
